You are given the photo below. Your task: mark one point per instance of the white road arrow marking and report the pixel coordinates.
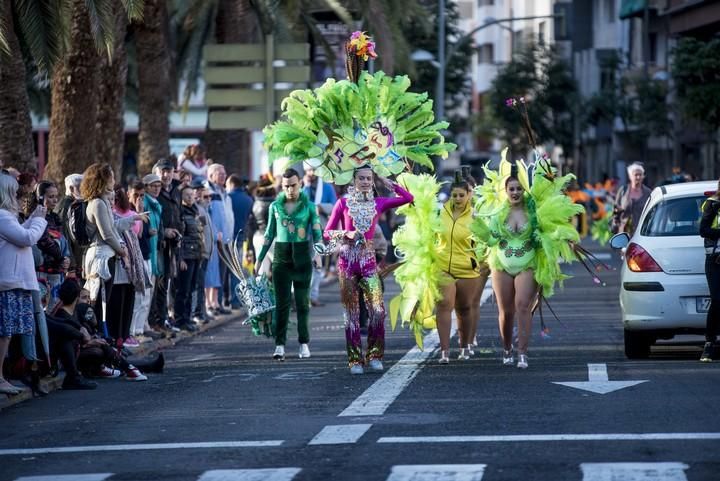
(598, 381)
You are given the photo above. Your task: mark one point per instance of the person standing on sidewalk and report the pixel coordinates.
(290, 218)
(202, 202)
(710, 232)
(169, 199)
(190, 255)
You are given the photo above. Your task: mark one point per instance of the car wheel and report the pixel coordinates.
(637, 344)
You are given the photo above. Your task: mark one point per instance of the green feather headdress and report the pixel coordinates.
(341, 126)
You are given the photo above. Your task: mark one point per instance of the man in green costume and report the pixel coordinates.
(290, 218)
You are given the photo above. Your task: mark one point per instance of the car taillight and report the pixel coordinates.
(638, 259)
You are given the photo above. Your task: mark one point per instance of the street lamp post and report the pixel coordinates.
(443, 58)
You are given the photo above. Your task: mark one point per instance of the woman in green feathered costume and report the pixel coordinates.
(524, 233)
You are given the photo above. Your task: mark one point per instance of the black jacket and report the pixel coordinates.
(191, 245)
(170, 202)
(710, 211)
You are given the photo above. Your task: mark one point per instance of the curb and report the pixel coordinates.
(51, 384)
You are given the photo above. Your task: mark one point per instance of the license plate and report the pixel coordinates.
(702, 304)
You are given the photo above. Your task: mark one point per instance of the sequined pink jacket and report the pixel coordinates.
(340, 212)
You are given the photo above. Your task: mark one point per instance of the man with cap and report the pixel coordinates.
(202, 202)
(169, 199)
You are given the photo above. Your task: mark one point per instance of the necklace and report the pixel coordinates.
(361, 207)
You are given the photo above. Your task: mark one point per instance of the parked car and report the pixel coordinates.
(663, 290)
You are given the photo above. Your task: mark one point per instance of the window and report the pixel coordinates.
(541, 33)
(610, 10)
(486, 53)
(483, 3)
(674, 217)
(653, 44)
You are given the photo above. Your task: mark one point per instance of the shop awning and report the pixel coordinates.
(631, 8)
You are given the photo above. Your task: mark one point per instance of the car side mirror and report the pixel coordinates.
(620, 241)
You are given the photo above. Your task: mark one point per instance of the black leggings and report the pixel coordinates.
(712, 272)
(91, 359)
(120, 310)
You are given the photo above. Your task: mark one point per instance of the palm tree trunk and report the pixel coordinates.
(153, 58)
(235, 23)
(110, 126)
(16, 143)
(74, 101)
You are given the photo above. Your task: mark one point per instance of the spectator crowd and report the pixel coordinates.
(93, 271)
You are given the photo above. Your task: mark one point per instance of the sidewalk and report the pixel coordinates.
(51, 384)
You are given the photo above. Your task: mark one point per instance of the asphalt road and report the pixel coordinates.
(224, 410)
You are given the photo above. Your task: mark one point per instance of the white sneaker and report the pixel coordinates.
(463, 356)
(470, 351)
(375, 365)
(279, 353)
(357, 369)
(522, 361)
(304, 351)
(508, 359)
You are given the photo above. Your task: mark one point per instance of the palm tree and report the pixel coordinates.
(154, 81)
(110, 121)
(41, 33)
(75, 85)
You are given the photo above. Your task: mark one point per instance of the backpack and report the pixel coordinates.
(77, 223)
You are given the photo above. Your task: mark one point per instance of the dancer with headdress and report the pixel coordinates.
(350, 131)
(525, 232)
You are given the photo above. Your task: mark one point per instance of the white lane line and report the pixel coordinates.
(551, 437)
(634, 471)
(142, 447)
(340, 434)
(270, 474)
(437, 472)
(68, 477)
(383, 392)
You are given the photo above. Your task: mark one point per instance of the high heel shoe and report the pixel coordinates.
(508, 358)
(522, 361)
(444, 359)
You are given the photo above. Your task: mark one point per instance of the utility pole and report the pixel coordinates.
(440, 85)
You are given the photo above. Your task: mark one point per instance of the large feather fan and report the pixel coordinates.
(341, 126)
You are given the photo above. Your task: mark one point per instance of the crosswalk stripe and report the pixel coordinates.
(550, 438)
(634, 471)
(437, 472)
(340, 434)
(142, 447)
(68, 477)
(272, 474)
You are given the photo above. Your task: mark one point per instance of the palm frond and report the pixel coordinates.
(191, 45)
(102, 24)
(340, 11)
(319, 38)
(44, 29)
(4, 45)
(134, 9)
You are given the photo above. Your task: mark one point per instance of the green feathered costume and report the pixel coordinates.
(341, 126)
(416, 241)
(550, 234)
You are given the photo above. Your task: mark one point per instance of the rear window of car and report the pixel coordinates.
(674, 217)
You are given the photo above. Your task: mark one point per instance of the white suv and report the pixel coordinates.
(663, 289)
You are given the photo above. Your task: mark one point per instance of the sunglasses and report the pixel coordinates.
(207, 197)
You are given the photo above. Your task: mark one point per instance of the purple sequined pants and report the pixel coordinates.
(358, 276)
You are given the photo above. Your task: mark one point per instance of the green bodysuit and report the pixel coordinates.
(511, 252)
